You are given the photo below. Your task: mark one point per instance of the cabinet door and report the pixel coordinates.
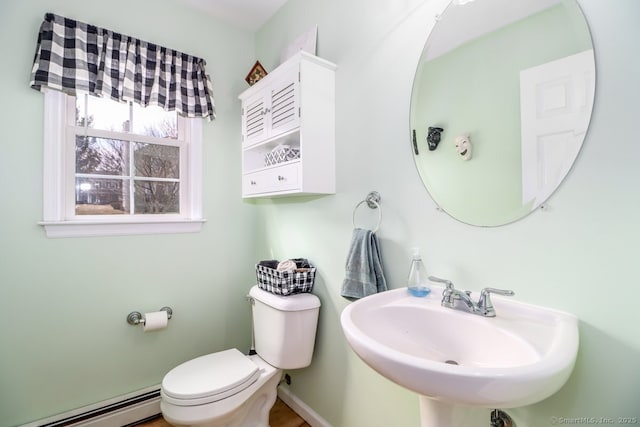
(254, 124)
(284, 101)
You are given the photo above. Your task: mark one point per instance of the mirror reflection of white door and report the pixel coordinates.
(556, 99)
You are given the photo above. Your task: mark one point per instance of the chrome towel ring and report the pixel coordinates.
(373, 201)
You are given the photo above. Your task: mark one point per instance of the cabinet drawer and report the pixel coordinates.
(281, 178)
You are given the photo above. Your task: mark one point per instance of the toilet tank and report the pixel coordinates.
(284, 327)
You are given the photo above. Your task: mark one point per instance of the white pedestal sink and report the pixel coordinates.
(455, 360)
(437, 413)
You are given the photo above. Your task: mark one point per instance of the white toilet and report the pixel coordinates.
(229, 389)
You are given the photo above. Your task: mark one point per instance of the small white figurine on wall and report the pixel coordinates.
(463, 147)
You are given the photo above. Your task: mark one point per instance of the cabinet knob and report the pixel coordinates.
(253, 182)
(280, 178)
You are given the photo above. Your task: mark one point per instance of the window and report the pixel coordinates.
(115, 168)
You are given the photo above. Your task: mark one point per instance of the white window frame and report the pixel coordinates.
(59, 165)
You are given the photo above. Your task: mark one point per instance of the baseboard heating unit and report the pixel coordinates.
(127, 410)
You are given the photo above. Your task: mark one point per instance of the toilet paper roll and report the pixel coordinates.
(155, 320)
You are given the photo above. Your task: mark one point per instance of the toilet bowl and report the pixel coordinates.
(245, 401)
(230, 389)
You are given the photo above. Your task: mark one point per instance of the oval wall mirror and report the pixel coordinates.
(500, 105)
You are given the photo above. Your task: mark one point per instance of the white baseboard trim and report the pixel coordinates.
(124, 410)
(301, 408)
(118, 411)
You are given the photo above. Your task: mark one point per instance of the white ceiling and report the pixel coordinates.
(460, 24)
(246, 14)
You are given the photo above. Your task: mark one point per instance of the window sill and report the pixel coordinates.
(56, 229)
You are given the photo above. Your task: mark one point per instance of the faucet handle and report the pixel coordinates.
(504, 292)
(485, 306)
(448, 295)
(449, 283)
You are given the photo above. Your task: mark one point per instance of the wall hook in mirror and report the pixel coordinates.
(433, 137)
(463, 146)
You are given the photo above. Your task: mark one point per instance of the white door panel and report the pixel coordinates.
(556, 99)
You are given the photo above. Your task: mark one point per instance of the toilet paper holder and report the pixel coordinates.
(136, 318)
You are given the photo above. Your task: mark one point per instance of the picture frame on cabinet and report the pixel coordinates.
(257, 72)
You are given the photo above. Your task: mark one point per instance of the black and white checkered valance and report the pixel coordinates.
(73, 57)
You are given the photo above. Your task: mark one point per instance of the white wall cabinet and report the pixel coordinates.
(288, 130)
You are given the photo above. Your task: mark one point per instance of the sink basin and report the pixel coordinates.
(522, 356)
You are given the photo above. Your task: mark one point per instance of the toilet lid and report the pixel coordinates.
(209, 378)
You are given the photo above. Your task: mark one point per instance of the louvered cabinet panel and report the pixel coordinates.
(254, 124)
(284, 113)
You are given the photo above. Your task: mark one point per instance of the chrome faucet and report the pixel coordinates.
(484, 307)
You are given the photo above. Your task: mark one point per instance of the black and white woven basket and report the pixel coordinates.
(285, 282)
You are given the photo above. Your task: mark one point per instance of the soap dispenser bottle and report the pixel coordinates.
(418, 282)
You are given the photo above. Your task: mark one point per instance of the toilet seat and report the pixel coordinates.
(209, 378)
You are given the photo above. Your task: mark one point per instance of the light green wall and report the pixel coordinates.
(579, 255)
(475, 89)
(64, 341)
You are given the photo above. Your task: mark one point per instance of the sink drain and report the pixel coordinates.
(451, 362)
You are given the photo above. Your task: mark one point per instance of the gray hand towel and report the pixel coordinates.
(364, 275)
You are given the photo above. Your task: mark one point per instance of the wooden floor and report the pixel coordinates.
(280, 416)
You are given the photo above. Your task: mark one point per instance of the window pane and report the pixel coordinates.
(156, 161)
(103, 113)
(155, 121)
(153, 197)
(102, 196)
(101, 156)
